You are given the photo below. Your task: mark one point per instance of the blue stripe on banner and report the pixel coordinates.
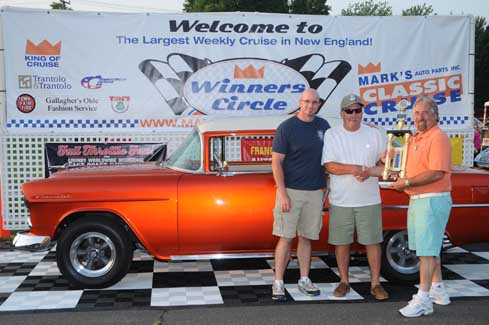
(391, 121)
(130, 124)
(85, 124)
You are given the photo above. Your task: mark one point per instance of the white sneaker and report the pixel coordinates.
(417, 307)
(439, 296)
(278, 292)
(307, 287)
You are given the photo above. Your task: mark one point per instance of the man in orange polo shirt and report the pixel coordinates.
(428, 184)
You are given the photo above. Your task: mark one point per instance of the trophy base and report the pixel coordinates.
(386, 184)
(398, 133)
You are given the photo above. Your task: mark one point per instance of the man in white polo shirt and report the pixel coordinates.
(352, 156)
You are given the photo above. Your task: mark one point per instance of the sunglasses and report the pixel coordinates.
(352, 110)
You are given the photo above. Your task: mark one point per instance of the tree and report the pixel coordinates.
(309, 7)
(204, 5)
(418, 10)
(188, 5)
(481, 65)
(61, 5)
(278, 6)
(368, 8)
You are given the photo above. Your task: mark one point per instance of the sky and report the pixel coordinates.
(441, 7)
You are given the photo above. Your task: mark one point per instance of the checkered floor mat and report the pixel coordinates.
(32, 281)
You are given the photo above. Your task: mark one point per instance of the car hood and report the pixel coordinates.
(116, 170)
(142, 181)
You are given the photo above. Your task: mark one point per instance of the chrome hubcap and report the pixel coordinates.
(399, 256)
(92, 254)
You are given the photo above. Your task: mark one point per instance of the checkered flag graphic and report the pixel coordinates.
(322, 76)
(169, 77)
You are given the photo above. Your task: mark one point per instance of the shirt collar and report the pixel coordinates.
(421, 135)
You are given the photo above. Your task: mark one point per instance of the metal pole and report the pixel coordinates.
(486, 104)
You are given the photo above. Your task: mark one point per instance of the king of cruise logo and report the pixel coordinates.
(245, 87)
(42, 55)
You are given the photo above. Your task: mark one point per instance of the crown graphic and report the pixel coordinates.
(369, 68)
(249, 73)
(43, 48)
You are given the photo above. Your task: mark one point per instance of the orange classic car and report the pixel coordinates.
(212, 198)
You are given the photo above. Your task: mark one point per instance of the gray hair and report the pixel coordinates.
(428, 100)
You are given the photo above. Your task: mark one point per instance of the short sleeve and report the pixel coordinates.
(440, 155)
(382, 137)
(328, 152)
(279, 144)
(326, 125)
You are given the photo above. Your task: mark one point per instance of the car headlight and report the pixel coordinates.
(25, 203)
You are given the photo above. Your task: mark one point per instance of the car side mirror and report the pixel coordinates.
(223, 168)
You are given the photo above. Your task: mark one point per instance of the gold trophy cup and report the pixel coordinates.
(397, 145)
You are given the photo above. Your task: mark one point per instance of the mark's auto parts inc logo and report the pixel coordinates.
(241, 86)
(42, 55)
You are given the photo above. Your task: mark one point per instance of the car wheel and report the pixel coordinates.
(399, 263)
(92, 253)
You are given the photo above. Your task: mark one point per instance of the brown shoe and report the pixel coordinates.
(379, 293)
(341, 290)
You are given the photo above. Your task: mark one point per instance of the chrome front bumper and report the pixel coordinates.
(27, 241)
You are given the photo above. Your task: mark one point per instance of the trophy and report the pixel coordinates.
(397, 146)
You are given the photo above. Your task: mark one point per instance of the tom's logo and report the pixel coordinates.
(120, 104)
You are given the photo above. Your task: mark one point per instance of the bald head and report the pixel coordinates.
(309, 104)
(310, 92)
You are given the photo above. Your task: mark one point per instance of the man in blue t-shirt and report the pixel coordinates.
(301, 182)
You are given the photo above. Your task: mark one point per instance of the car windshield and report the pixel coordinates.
(188, 154)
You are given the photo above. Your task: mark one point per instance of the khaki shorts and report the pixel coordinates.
(366, 220)
(304, 218)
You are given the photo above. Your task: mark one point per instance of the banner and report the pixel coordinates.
(60, 156)
(81, 72)
(256, 149)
